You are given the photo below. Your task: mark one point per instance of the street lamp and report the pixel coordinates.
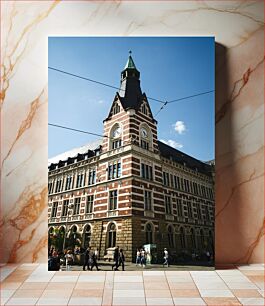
(71, 206)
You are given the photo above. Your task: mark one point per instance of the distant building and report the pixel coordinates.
(131, 189)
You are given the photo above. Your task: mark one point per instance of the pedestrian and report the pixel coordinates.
(116, 258)
(86, 262)
(96, 253)
(93, 261)
(69, 260)
(166, 258)
(121, 260)
(208, 255)
(138, 257)
(54, 262)
(77, 251)
(143, 258)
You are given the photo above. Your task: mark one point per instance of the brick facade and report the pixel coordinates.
(134, 180)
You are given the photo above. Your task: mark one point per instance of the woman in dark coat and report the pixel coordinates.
(121, 260)
(87, 259)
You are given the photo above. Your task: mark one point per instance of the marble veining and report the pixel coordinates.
(238, 27)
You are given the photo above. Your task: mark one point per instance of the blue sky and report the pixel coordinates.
(170, 67)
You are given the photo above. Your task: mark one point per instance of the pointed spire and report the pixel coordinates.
(130, 63)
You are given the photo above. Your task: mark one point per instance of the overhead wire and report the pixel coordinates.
(77, 130)
(183, 98)
(114, 87)
(94, 81)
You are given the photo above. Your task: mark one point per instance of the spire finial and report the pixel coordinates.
(130, 52)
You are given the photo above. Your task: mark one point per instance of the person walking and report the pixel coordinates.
(116, 258)
(165, 258)
(121, 260)
(69, 258)
(86, 262)
(138, 257)
(143, 258)
(94, 262)
(54, 262)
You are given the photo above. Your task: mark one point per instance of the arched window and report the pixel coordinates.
(145, 137)
(51, 229)
(193, 239)
(182, 238)
(149, 233)
(111, 235)
(87, 236)
(72, 237)
(62, 231)
(202, 237)
(170, 236)
(115, 137)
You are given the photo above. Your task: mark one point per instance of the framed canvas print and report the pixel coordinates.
(131, 153)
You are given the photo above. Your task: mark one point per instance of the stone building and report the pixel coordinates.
(131, 189)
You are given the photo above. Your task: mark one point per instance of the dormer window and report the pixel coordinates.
(116, 109)
(144, 109)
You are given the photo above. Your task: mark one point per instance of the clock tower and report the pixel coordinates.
(130, 119)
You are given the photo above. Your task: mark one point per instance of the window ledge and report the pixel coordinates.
(149, 213)
(112, 213)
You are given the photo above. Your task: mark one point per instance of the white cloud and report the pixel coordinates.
(172, 143)
(100, 101)
(179, 127)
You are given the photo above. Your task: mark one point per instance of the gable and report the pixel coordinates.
(144, 107)
(116, 106)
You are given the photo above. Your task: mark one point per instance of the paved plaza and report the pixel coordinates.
(107, 266)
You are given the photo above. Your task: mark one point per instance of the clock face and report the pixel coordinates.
(144, 133)
(117, 132)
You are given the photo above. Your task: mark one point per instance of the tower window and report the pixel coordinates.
(144, 109)
(145, 136)
(116, 144)
(116, 109)
(115, 137)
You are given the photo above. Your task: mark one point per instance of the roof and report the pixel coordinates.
(165, 151)
(75, 151)
(182, 158)
(130, 64)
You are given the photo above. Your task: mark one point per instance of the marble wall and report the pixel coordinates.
(238, 27)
